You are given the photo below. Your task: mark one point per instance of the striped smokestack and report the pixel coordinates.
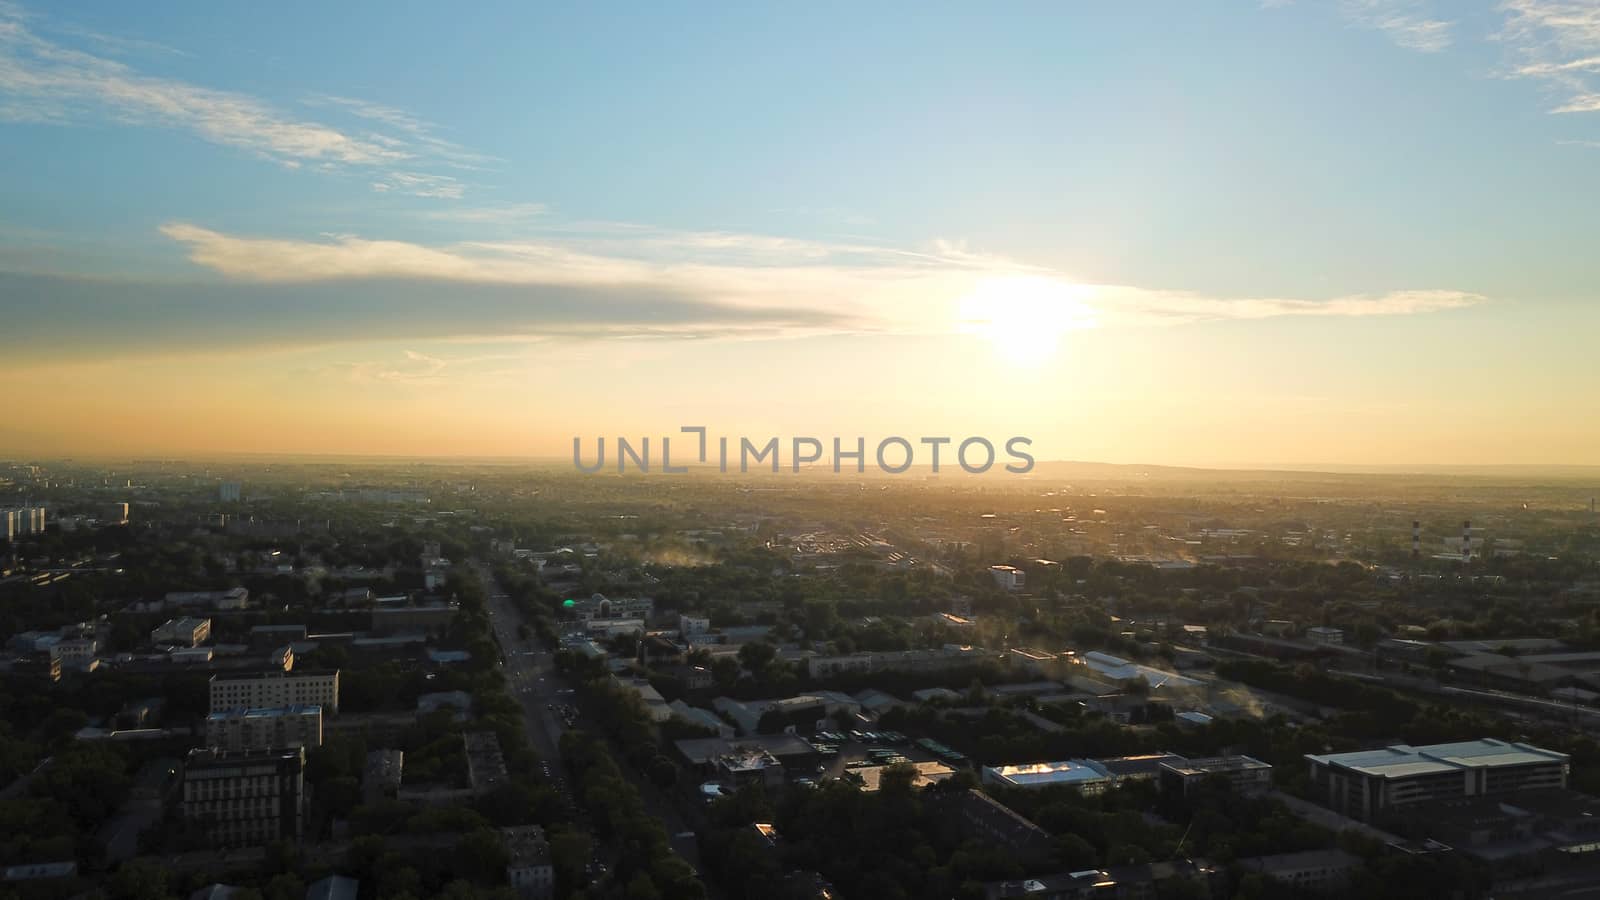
(1466, 541)
(1416, 539)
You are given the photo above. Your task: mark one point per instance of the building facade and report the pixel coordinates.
(271, 689)
(245, 729)
(1364, 783)
(248, 798)
(188, 631)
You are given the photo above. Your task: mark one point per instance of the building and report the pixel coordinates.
(228, 492)
(269, 637)
(528, 865)
(245, 729)
(381, 776)
(693, 626)
(1078, 773)
(976, 815)
(1008, 578)
(432, 617)
(1119, 671)
(486, 765)
(1138, 882)
(1363, 783)
(1322, 634)
(1310, 870)
(1244, 774)
(252, 690)
(77, 654)
(186, 632)
(22, 520)
(245, 798)
(942, 659)
(115, 514)
(232, 598)
(1146, 767)
(749, 765)
(599, 606)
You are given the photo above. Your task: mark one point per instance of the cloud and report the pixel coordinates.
(489, 215)
(851, 287)
(44, 81)
(1557, 43)
(1402, 21)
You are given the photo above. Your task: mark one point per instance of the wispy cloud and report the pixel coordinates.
(854, 288)
(45, 81)
(489, 215)
(1557, 42)
(1404, 21)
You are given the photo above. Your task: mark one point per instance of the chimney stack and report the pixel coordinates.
(1466, 541)
(1416, 539)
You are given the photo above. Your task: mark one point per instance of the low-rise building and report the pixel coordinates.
(1008, 578)
(1309, 870)
(188, 631)
(528, 865)
(1077, 773)
(1244, 774)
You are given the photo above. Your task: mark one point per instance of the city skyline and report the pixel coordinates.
(1358, 242)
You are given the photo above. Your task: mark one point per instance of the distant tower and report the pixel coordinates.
(1466, 541)
(1416, 539)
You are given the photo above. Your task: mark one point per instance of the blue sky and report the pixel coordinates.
(366, 186)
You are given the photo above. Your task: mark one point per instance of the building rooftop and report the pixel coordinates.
(1403, 761)
(1047, 773)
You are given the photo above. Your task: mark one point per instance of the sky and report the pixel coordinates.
(1294, 232)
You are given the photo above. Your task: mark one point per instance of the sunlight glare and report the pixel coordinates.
(1025, 316)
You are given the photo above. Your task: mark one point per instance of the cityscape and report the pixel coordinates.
(876, 451)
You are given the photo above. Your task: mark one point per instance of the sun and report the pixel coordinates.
(1025, 316)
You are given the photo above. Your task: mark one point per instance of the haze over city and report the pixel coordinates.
(1283, 233)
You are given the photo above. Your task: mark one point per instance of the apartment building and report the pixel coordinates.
(271, 689)
(245, 798)
(244, 729)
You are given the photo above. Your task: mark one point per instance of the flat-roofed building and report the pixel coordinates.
(246, 798)
(244, 729)
(1078, 773)
(1362, 783)
(381, 778)
(1245, 774)
(188, 631)
(1308, 870)
(252, 690)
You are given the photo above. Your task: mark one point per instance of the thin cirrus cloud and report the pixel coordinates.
(45, 81)
(1404, 22)
(1557, 43)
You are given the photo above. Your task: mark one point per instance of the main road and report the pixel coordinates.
(538, 686)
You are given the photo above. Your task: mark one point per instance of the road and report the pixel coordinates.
(533, 679)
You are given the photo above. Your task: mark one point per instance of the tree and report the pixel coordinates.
(138, 879)
(756, 656)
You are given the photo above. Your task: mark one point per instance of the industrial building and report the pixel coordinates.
(1363, 783)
